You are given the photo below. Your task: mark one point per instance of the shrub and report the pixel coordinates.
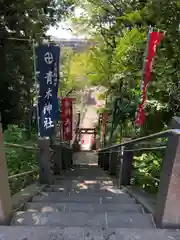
(19, 160)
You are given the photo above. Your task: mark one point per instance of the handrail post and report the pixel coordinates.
(167, 210)
(119, 166)
(64, 163)
(126, 167)
(99, 158)
(106, 160)
(57, 158)
(113, 163)
(44, 157)
(102, 159)
(5, 197)
(67, 157)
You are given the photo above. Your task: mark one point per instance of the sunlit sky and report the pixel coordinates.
(64, 28)
(61, 31)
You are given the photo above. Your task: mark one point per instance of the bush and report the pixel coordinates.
(147, 171)
(19, 160)
(101, 96)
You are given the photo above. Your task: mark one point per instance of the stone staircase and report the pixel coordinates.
(83, 204)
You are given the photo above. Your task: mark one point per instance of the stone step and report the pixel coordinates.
(84, 207)
(58, 197)
(77, 181)
(81, 185)
(84, 185)
(117, 194)
(80, 233)
(85, 177)
(81, 219)
(84, 171)
(86, 192)
(82, 191)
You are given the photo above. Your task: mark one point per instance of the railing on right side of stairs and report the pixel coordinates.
(167, 209)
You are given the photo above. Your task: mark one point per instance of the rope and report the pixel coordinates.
(22, 174)
(23, 146)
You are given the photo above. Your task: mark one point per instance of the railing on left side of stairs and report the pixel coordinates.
(52, 158)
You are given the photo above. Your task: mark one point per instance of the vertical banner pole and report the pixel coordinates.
(36, 86)
(144, 64)
(143, 68)
(112, 125)
(103, 126)
(104, 137)
(145, 57)
(116, 111)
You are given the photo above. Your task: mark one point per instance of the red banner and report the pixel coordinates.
(66, 105)
(104, 121)
(154, 41)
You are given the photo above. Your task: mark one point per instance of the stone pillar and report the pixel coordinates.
(119, 166)
(67, 158)
(113, 163)
(76, 146)
(126, 167)
(97, 142)
(44, 156)
(102, 155)
(106, 160)
(167, 212)
(63, 157)
(57, 159)
(71, 157)
(99, 158)
(5, 197)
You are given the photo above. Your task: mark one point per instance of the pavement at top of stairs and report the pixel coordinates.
(85, 158)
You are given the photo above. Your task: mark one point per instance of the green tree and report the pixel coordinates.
(121, 28)
(23, 20)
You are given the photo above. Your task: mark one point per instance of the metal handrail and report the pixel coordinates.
(145, 149)
(147, 175)
(136, 149)
(22, 174)
(149, 144)
(151, 136)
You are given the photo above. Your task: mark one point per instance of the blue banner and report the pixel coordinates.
(48, 75)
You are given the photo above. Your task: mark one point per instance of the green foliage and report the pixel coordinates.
(147, 171)
(76, 69)
(101, 96)
(24, 20)
(120, 29)
(19, 160)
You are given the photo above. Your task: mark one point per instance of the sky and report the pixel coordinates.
(63, 29)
